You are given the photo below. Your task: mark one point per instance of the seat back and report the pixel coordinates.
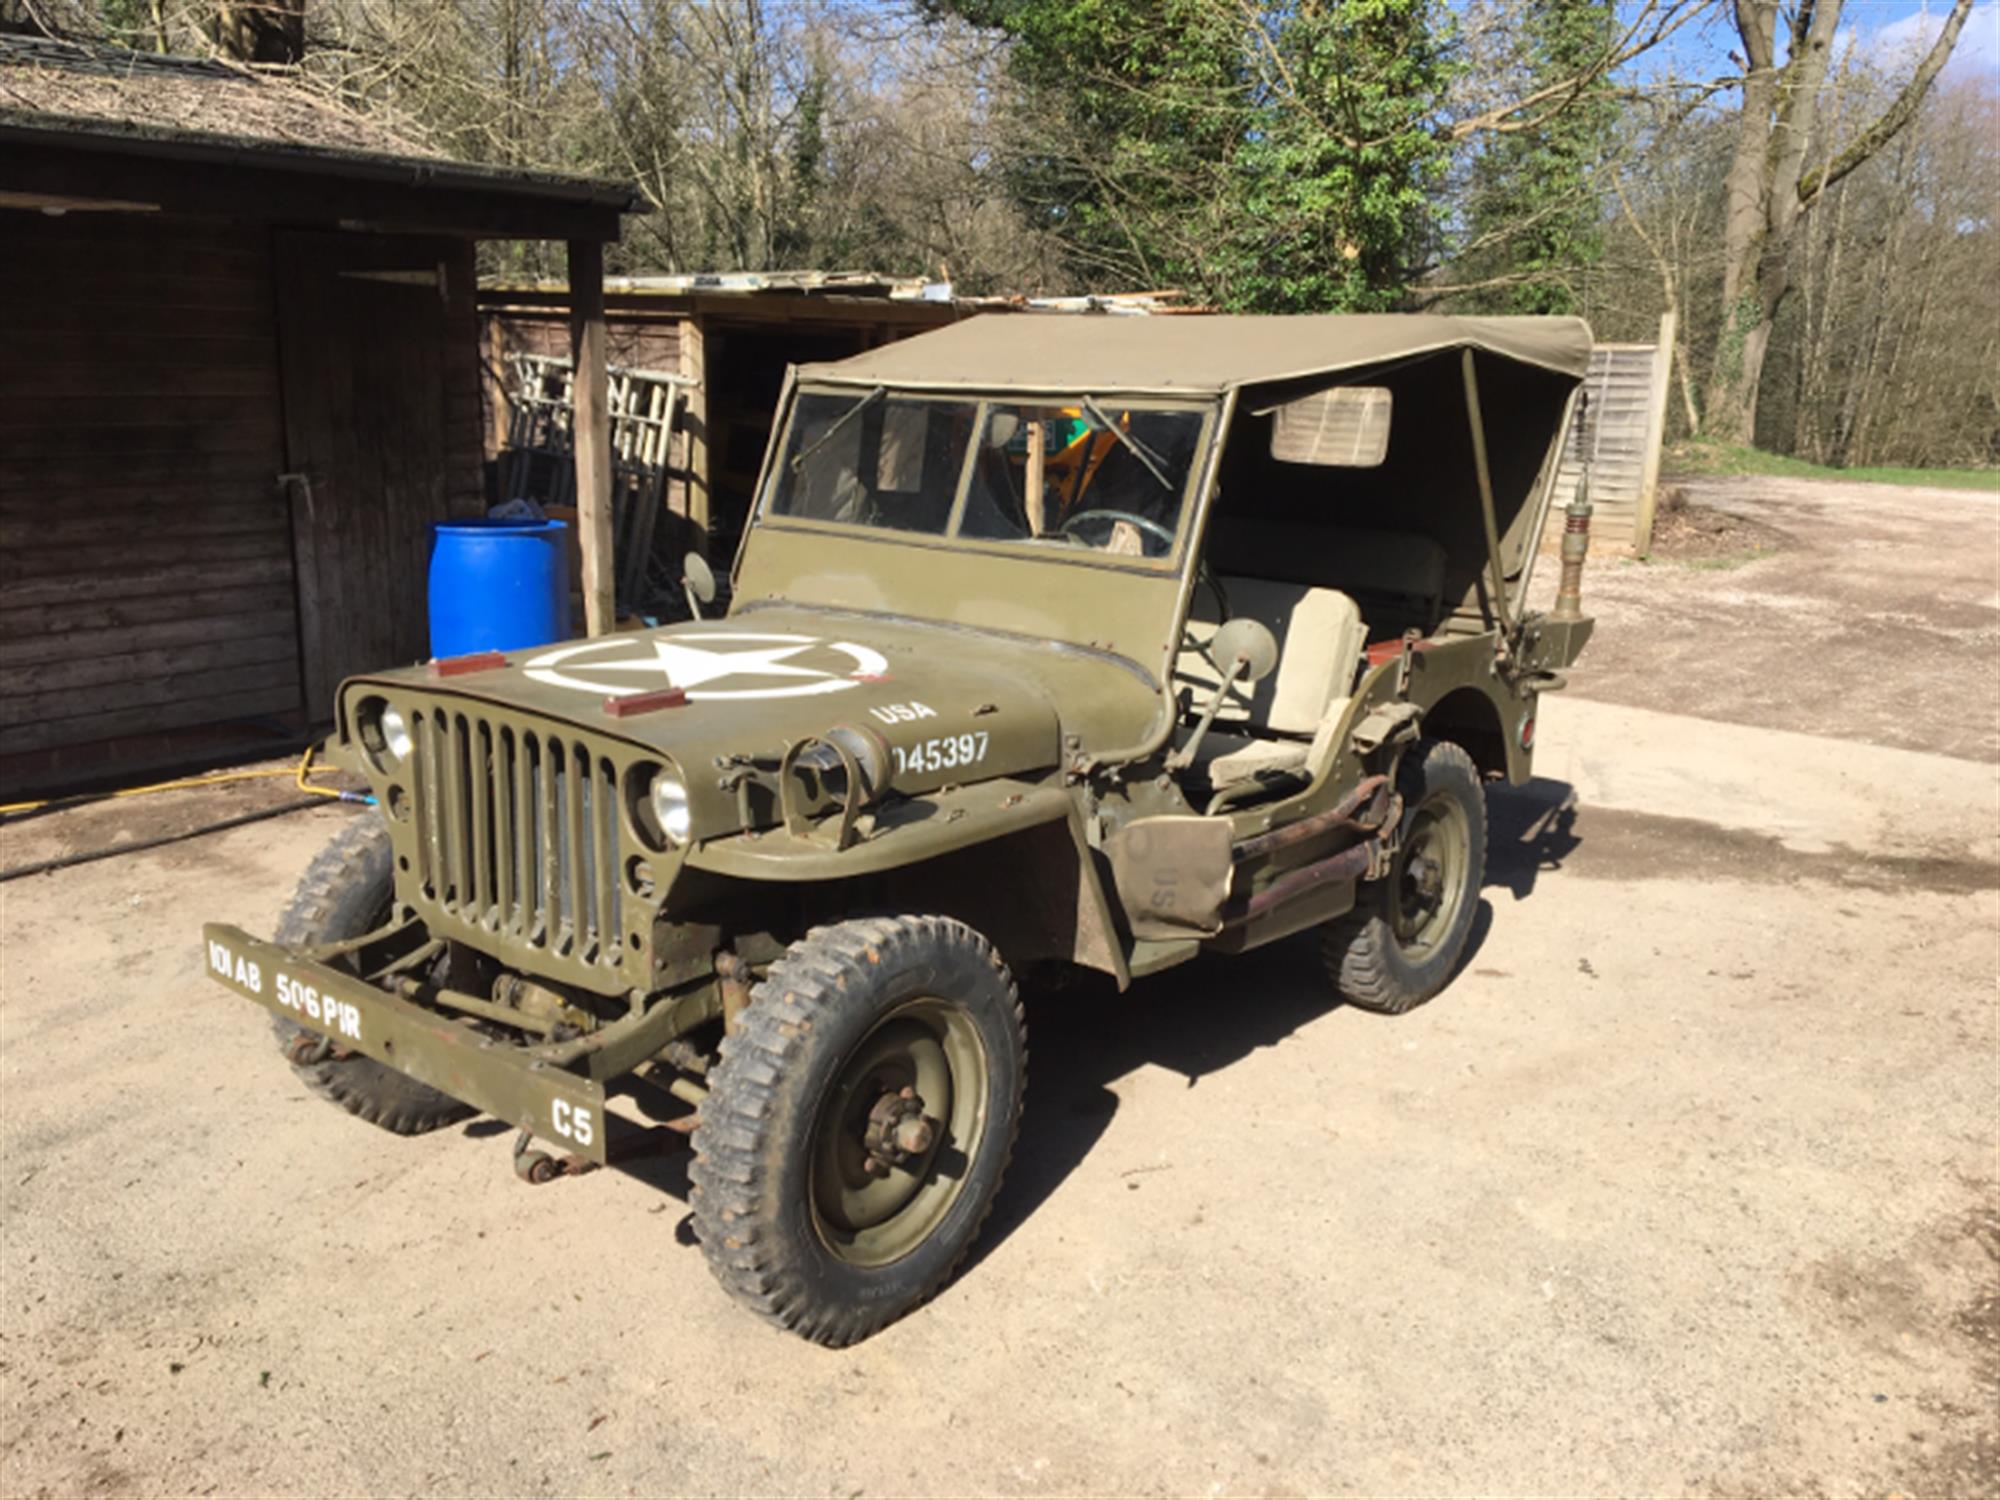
(1319, 635)
(1398, 577)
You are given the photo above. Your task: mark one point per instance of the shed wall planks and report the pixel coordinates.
(145, 554)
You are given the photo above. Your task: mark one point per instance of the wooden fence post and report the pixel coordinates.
(591, 433)
(1656, 433)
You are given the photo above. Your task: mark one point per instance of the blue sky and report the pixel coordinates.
(1891, 27)
(1895, 32)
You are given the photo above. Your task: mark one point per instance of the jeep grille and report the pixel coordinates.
(518, 833)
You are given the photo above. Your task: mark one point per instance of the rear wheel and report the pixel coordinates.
(858, 1124)
(348, 890)
(1402, 941)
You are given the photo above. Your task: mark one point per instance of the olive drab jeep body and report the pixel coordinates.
(1085, 640)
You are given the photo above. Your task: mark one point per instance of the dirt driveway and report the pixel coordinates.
(1688, 1184)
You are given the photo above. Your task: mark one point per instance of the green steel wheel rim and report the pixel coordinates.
(1427, 887)
(873, 1217)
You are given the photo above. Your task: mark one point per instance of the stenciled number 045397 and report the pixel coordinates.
(945, 752)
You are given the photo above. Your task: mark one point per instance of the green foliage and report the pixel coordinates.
(129, 23)
(1131, 114)
(1340, 171)
(1264, 157)
(1702, 456)
(793, 240)
(1536, 213)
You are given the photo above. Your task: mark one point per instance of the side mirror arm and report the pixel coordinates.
(1182, 758)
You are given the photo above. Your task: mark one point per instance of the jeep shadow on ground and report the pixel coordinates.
(1083, 1035)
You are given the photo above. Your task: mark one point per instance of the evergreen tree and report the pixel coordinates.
(1264, 157)
(1535, 215)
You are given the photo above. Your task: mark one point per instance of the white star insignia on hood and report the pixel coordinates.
(685, 662)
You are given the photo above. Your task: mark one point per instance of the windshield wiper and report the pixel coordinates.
(1137, 449)
(799, 458)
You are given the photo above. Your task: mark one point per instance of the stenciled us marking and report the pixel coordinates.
(619, 666)
(943, 752)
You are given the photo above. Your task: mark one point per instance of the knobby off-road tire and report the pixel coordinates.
(1401, 943)
(346, 891)
(795, 1222)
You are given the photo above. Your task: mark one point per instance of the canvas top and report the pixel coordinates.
(1192, 355)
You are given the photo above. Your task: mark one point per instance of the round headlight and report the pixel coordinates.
(670, 806)
(395, 732)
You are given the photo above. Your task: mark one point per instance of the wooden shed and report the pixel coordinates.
(239, 377)
(730, 336)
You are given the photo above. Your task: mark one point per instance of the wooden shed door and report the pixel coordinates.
(371, 329)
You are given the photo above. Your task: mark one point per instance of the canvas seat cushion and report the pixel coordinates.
(1231, 759)
(1319, 634)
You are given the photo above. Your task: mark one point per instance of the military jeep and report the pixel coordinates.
(1082, 641)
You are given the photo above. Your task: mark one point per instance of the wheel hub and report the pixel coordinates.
(897, 1131)
(1427, 875)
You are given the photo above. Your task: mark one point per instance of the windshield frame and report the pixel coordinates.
(984, 400)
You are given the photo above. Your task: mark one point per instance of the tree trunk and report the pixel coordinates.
(1767, 192)
(261, 31)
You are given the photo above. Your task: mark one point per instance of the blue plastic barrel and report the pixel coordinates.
(497, 585)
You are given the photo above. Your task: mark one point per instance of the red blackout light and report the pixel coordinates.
(458, 666)
(645, 703)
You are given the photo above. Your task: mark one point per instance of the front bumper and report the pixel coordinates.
(451, 1056)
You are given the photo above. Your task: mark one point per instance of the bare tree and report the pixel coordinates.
(1768, 189)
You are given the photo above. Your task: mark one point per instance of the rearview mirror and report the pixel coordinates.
(1244, 651)
(1249, 642)
(699, 581)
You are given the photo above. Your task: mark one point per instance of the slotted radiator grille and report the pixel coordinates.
(518, 833)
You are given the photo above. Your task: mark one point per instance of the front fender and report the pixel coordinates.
(1010, 857)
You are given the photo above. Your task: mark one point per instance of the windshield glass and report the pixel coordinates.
(1085, 474)
(874, 460)
(1112, 478)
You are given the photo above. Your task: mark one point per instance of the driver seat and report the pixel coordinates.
(1266, 730)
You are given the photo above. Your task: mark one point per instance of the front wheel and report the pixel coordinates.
(350, 889)
(858, 1124)
(1402, 941)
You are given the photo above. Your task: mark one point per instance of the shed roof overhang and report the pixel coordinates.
(78, 163)
(1192, 355)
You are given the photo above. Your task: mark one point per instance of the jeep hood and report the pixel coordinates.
(951, 704)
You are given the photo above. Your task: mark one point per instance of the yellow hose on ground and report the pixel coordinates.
(305, 770)
(220, 778)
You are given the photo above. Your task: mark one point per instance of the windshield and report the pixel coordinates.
(1088, 475)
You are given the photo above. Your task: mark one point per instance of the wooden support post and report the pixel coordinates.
(1477, 422)
(1656, 433)
(498, 390)
(1033, 482)
(694, 365)
(588, 348)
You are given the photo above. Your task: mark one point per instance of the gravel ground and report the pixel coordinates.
(1686, 1186)
(1856, 611)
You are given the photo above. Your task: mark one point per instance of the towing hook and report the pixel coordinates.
(538, 1167)
(308, 1048)
(534, 1167)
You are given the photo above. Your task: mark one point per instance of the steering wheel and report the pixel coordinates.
(1152, 529)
